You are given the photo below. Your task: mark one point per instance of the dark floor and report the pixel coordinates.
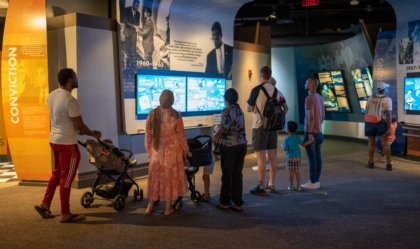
(356, 207)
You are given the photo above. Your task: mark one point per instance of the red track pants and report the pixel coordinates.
(66, 162)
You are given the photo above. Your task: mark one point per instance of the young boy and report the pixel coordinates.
(291, 146)
(207, 171)
(391, 135)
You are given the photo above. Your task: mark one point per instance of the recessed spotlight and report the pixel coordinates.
(354, 2)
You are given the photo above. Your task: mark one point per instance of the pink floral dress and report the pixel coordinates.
(167, 179)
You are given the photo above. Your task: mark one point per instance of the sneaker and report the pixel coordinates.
(291, 188)
(309, 185)
(318, 185)
(267, 167)
(258, 191)
(389, 167)
(371, 165)
(299, 188)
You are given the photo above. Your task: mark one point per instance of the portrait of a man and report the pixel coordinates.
(219, 60)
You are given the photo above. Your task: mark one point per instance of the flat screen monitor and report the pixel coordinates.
(333, 91)
(149, 88)
(205, 94)
(412, 94)
(362, 79)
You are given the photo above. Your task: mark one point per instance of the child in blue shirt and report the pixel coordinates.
(291, 146)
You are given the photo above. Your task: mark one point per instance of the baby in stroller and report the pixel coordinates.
(111, 162)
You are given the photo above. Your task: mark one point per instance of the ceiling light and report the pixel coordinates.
(354, 2)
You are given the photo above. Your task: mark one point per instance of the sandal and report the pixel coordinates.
(223, 207)
(236, 208)
(205, 199)
(45, 213)
(74, 218)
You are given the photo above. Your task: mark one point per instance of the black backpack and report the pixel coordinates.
(272, 116)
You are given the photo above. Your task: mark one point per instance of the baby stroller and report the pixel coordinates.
(199, 155)
(111, 162)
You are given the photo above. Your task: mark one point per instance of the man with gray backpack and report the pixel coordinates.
(377, 123)
(268, 105)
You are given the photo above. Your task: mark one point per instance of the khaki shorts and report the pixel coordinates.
(264, 140)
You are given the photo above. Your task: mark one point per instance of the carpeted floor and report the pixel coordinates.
(355, 207)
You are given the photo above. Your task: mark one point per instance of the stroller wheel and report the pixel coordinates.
(119, 203)
(87, 199)
(141, 195)
(136, 193)
(196, 196)
(177, 204)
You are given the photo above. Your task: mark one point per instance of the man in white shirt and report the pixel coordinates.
(285, 109)
(264, 141)
(66, 124)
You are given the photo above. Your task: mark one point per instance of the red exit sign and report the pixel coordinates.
(310, 3)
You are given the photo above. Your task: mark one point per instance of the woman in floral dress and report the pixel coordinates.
(167, 146)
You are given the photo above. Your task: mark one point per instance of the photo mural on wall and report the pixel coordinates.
(414, 37)
(341, 56)
(384, 65)
(176, 35)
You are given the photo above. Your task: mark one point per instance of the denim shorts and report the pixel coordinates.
(376, 129)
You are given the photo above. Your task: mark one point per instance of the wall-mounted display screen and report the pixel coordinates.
(195, 94)
(205, 94)
(333, 91)
(362, 79)
(149, 88)
(412, 94)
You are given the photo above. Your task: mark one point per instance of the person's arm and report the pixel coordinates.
(251, 102)
(146, 30)
(310, 115)
(74, 113)
(180, 132)
(148, 139)
(285, 108)
(249, 108)
(282, 101)
(308, 142)
(225, 124)
(82, 128)
(388, 114)
(285, 145)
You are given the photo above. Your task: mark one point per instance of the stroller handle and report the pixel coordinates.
(103, 144)
(204, 136)
(129, 151)
(81, 143)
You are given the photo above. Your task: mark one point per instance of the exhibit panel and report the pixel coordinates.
(158, 36)
(25, 89)
(362, 79)
(333, 91)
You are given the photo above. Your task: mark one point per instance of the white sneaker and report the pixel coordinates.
(318, 185)
(267, 167)
(309, 185)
